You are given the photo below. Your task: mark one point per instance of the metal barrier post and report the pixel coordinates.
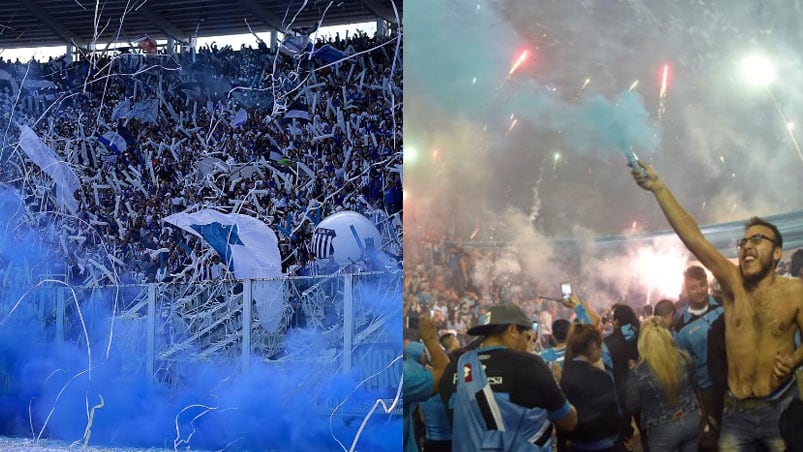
(60, 315)
(348, 321)
(151, 333)
(247, 302)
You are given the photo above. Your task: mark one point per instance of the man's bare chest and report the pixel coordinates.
(765, 314)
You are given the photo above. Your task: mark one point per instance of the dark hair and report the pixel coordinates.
(625, 315)
(412, 334)
(797, 263)
(695, 272)
(581, 338)
(756, 221)
(560, 329)
(664, 307)
(522, 329)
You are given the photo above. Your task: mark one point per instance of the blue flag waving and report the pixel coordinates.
(122, 109)
(113, 141)
(145, 110)
(329, 54)
(247, 245)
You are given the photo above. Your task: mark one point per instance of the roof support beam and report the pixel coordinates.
(162, 24)
(381, 10)
(264, 15)
(49, 21)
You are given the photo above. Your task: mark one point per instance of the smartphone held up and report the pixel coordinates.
(566, 289)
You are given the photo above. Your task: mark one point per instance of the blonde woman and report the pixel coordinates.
(660, 385)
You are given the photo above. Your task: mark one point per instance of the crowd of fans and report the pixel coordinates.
(442, 278)
(625, 368)
(457, 282)
(288, 139)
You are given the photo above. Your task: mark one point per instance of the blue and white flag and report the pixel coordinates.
(295, 46)
(113, 141)
(329, 54)
(145, 110)
(121, 110)
(297, 110)
(239, 118)
(248, 245)
(58, 170)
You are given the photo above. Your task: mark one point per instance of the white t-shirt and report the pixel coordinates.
(545, 323)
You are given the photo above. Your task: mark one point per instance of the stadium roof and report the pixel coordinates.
(39, 23)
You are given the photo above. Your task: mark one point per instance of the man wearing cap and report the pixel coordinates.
(498, 396)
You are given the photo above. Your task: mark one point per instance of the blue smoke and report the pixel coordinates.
(463, 52)
(459, 48)
(597, 125)
(50, 387)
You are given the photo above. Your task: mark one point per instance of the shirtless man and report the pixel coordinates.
(762, 313)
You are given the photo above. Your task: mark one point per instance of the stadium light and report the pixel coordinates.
(758, 70)
(410, 155)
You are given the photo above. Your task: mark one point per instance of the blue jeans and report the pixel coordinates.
(750, 422)
(677, 435)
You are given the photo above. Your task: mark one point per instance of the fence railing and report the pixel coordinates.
(159, 325)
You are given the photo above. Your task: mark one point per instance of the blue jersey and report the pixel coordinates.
(691, 334)
(436, 420)
(487, 420)
(417, 385)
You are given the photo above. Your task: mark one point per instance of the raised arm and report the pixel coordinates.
(429, 335)
(585, 312)
(685, 226)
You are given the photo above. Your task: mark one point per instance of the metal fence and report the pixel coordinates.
(156, 326)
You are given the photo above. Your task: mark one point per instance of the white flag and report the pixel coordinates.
(248, 245)
(58, 170)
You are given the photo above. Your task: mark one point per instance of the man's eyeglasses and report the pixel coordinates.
(754, 239)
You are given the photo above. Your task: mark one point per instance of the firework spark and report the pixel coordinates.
(519, 61)
(513, 124)
(579, 91)
(789, 125)
(662, 92)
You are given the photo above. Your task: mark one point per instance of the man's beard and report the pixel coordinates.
(766, 268)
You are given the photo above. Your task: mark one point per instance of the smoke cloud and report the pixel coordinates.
(92, 386)
(535, 157)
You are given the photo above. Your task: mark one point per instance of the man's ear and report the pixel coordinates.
(511, 328)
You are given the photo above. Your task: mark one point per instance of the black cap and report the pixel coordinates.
(501, 314)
